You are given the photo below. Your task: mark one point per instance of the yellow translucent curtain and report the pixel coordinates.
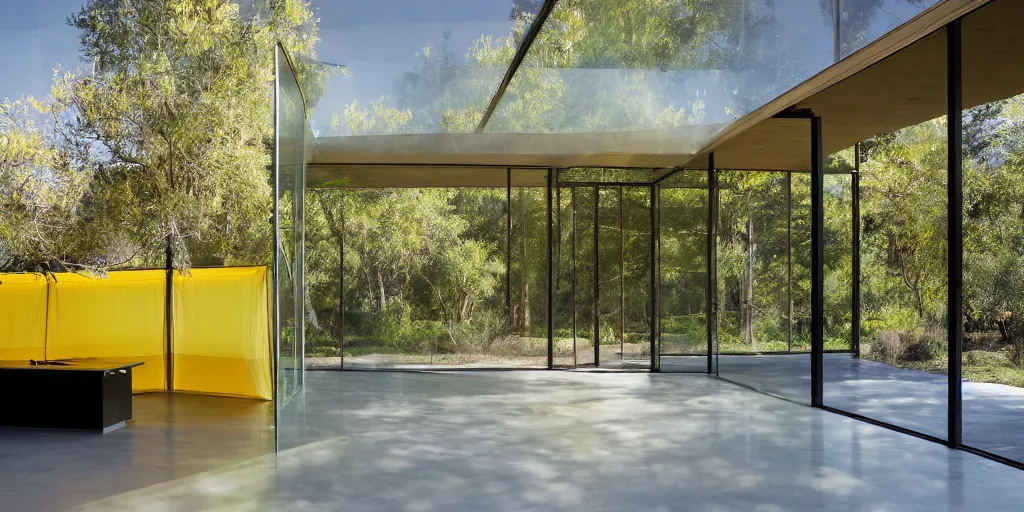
(117, 316)
(22, 317)
(221, 332)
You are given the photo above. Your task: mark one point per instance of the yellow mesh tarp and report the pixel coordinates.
(118, 316)
(221, 332)
(22, 317)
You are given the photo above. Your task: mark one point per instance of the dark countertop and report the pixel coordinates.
(93, 365)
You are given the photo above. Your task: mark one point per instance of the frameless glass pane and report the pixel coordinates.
(691, 68)
(993, 264)
(900, 377)
(863, 21)
(683, 281)
(432, 277)
(838, 272)
(760, 272)
(288, 187)
(403, 66)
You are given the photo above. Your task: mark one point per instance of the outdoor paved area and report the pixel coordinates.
(579, 441)
(993, 414)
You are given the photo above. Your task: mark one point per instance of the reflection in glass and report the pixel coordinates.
(602, 66)
(289, 244)
(863, 21)
(901, 375)
(763, 272)
(683, 242)
(993, 237)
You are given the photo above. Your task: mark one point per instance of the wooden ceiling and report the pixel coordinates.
(904, 89)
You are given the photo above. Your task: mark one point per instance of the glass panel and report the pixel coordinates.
(529, 269)
(758, 258)
(900, 377)
(684, 219)
(863, 21)
(838, 231)
(636, 275)
(993, 267)
(607, 66)
(436, 277)
(289, 190)
(405, 66)
(612, 175)
(583, 270)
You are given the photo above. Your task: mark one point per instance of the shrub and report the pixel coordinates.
(906, 347)
(887, 347)
(931, 344)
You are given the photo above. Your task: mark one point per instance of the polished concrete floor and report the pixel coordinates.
(577, 441)
(993, 414)
(171, 437)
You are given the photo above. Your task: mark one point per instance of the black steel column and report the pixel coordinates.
(596, 335)
(655, 275)
(710, 282)
(169, 317)
(551, 282)
(955, 239)
(855, 190)
(508, 245)
(817, 264)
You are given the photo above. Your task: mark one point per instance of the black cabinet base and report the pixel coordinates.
(85, 399)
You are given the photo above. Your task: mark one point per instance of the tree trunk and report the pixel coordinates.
(382, 301)
(525, 300)
(747, 308)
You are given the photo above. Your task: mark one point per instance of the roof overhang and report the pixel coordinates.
(897, 81)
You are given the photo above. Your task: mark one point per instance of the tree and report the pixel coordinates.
(175, 117)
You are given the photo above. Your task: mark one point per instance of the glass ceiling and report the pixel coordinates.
(596, 66)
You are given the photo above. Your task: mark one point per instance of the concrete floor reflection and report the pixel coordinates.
(579, 441)
(172, 437)
(914, 399)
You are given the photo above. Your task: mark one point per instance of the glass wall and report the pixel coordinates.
(430, 277)
(289, 189)
(761, 274)
(993, 235)
(863, 21)
(683, 272)
(901, 376)
(602, 269)
(695, 64)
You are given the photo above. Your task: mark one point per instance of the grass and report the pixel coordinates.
(988, 366)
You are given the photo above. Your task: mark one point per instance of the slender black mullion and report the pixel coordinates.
(710, 291)
(517, 60)
(572, 249)
(855, 191)
(655, 271)
(817, 264)
(789, 262)
(341, 287)
(550, 273)
(622, 282)
(508, 244)
(596, 335)
(954, 212)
